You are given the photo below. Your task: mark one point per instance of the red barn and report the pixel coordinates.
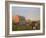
(15, 19)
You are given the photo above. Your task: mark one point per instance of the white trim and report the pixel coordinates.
(22, 5)
(30, 31)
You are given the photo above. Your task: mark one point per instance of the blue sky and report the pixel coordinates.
(28, 12)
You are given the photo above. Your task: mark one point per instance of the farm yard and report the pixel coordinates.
(23, 24)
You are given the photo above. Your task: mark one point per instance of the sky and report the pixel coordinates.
(28, 12)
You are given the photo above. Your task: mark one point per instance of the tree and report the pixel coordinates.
(22, 18)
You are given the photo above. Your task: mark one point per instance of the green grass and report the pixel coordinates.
(21, 27)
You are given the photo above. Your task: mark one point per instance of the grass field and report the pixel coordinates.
(21, 27)
(25, 27)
